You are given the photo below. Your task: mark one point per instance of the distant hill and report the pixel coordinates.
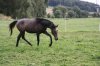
(90, 7)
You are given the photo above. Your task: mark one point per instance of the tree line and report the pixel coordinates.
(72, 9)
(23, 8)
(37, 8)
(63, 12)
(71, 12)
(71, 3)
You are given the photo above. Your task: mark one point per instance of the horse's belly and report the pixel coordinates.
(31, 31)
(34, 30)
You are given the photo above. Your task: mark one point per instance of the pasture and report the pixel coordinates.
(78, 45)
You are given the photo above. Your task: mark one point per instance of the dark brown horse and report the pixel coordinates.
(36, 25)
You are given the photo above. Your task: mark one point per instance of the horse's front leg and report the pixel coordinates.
(38, 39)
(46, 33)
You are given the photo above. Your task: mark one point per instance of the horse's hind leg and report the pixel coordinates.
(23, 37)
(18, 38)
(38, 39)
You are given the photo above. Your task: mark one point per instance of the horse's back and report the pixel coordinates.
(25, 23)
(26, 20)
(30, 25)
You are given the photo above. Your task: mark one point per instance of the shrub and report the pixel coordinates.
(59, 11)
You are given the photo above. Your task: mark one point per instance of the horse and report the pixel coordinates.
(35, 25)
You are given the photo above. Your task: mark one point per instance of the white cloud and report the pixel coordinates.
(93, 1)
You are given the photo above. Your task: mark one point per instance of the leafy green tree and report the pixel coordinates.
(96, 15)
(77, 10)
(71, 14)
(58, 14)
(71, 3)
(84, 14)
(13, 8)
(23, 8)
(59, 11)
(21, 12)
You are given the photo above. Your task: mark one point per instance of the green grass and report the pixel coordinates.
(78, 45)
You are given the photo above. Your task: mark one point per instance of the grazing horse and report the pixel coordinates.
(36, 25)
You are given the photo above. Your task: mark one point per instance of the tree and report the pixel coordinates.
(23, 8)
(58, 14)
(71, 14)
(96, 15)
(84, 14)
(80, 13)
(59, 11)
(13, 8)
(71, 3)
(77, 10)
(39, 8)
(21, 11)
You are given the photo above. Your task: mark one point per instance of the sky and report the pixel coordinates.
(93, 1)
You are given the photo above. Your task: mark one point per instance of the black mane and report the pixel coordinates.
(45, 22)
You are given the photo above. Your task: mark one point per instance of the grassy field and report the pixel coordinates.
(78, 45)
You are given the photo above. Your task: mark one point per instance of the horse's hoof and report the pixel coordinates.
(37, 45)
(50, 45)
(30, 45)
(16, 46)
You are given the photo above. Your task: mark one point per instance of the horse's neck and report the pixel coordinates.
(50, 26)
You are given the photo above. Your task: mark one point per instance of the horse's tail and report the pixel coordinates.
(11, 26)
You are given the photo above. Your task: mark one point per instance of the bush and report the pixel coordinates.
(75, 12)
(96, 15)
(50, 16)
(79, 13)
(58, 14)
(84, 14)
(59, 11)
(71, 14)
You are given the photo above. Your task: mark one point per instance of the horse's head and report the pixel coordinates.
(54, 32)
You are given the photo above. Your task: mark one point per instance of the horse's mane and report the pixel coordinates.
(45, 22)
